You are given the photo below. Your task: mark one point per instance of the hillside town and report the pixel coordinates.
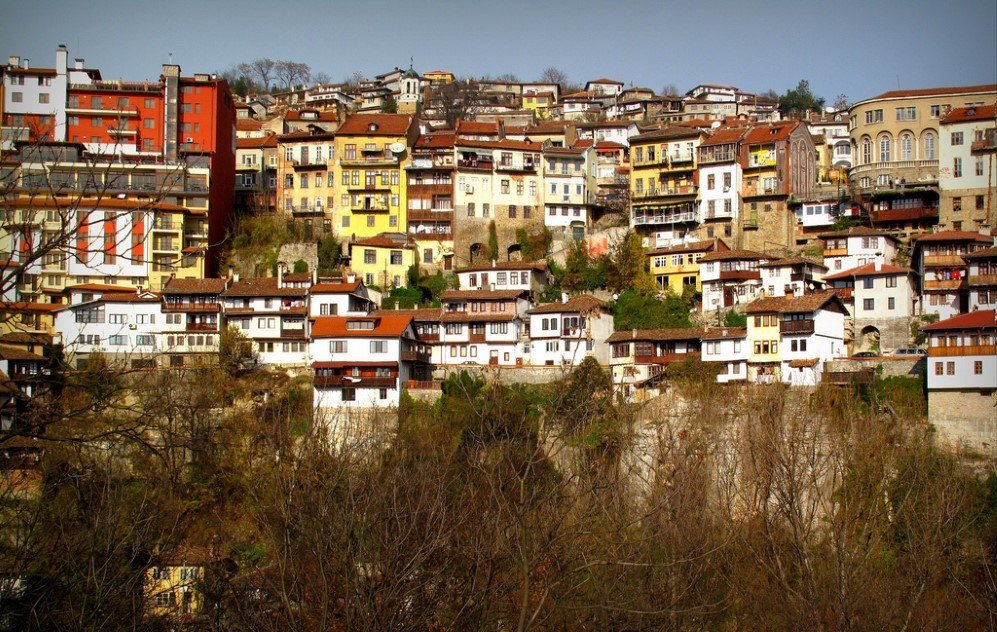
(438, 226)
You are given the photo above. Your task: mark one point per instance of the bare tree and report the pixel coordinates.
(262, 70)
(291, 74)
(454, 101)
(669, 90)
(552, 74)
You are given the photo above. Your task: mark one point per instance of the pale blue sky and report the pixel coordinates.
(855, 47)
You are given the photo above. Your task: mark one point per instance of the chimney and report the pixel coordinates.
(280, 274)
(79, 63)
(235, 278)
(14, 61)
(564, 297)
(351, 277)
(878, 265)
(494, 263)
(231, 271)
(61, 60)
(26, 63)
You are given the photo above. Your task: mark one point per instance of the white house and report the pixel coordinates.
(939, 259)
(967, 168)
(817, 214)
(727, 346)
(883, 301)
(730, 277)
(123, 325)
(857, 246)
(720, 175)
(638, 357)
(982, 278)
(962, 379)
(273, 315)
(569, 188)
(362, 361)
(191, 318)
(565, 333)
(483, 327)
(339, 297)
(794, 276)
(608, 131)
(522, 276)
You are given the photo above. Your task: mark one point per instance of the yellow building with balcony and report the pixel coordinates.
(676, 267)
(663, 181)
(372, 152)
(382, 261)
(763, 339)
(306, 185)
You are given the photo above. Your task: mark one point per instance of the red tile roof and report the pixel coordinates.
(386, 125)
(983, 319)
(729, 255)
(436, 141)
(582, 303)
(194, 286)
(484, 295)
(868, 270)
(507, 143)
(386, 325)
(477, 317)
(381, 241)
(722, 333)
(804, 363)
(344, 287)
(978, 113)
(928, 92)
(477, 127)
(268, 141)
(262, 286)
(985, 253)
(504, 265)
(97, 287)
(22, 306)
(956, 235)
(248, 125)
(91, 204)
(319, 115)
(705, 245)
(724, 136)
(794, 304)
(764, 134)
(857, 231)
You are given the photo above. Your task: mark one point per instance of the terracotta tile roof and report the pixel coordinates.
(955, 235)
(15, 353)
(605, 81)
(540, 266)
(268, 141)
(983, 319)
(656, 335)
(386, 325)
(576, 304)
(477, 127)
(764, 134)
(666, 133)
(248, 125)
(803, 363)
(320, 115)
(928, 92)
(724, 136)
(262, 286)
(484, 295)
(793, 304)
(344, 287)
(696, 123)
(724, 333)
(97, 287)
(382, 241)
(857, 231)
(985, 253)
(730, 255)
(25, 338)
(705, 245)
(608, 145)
(22, 306)
(868, 270)
(194, 286)
(387, 125)
(507, 143)
(436, 141)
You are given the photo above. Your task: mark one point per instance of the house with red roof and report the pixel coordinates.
(882, 299)
(938, 259)
(982, 278)
(962, 380)
(191, 323)
(968, 168)
(565, 332)
(483, 327)
(639, 357)
(273, 313)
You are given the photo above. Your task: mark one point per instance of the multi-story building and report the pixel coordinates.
(791, 337)
(663, 183)
(939, 262)
(569, 189)
(191, 323)
(311, 120)
(639, 357)
(882, 299)
(604, 87)
(962, 379)
(567, 332)
(483, 327)
(730, 277)
(339, 297)
(609, 131)
(982, 278)
(522, 276)
(612, 175)
(306, 185)
(256, 163)
(720, 175)
(791, 276)
(778, 168)
(727, 346)
(430, 195)
(895, 144)
(120, 324)
(497, 183)
(382, 260)
(857, 246)
(675, 268)
(371, 153)
(273, 314)
(967, 174)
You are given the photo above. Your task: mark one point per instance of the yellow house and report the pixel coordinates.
(306, 186)
(438, 76)
(763, 340)
(382, 260)
(676, 267)
(372, 152)
(539, 102)
(172, 589)
(27, 317)
(663, 180)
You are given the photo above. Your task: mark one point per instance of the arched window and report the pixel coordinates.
(929, 146)
(884, 148)
(866, 150)
(906, 147)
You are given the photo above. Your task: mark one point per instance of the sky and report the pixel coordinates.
(849, 47)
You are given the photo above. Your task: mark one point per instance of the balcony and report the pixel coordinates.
(426, 189)
(983, 280)
(213, 327)
(759, 190)
(666, 191)
(510, 166)
(944, 261)
(644, 219)
(442, 215)
(967, 350)
(836, 252)
(372, 160)
(167, 226)
(479, 163)
(309, 165)
(428, 337)
(341, 381)
(661, 358)
(436, 234)
(193, 308)
(369, 207)
(412, 355)
(904, 214)
(292, 334)
(796, 327)
(307, 209)
(946, 284)
(368, 186)
(739, 275)
(476, 337)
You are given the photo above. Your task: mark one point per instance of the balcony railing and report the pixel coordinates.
(424, 215)
(197, 308)
(904, 214)
(342, 381)
(874, 167)
(475, 164)
(369, 208)
(946, 284)
(292, 334)
(371, 160)
(967, 350)
(411, 355)
(660, 358)
(796, 327)
(476, 337)
(202, 326)
(983, 280)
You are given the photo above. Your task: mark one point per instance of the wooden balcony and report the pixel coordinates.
(947, 284)
(212, 327)
(423, 385)
(983, 280)
(442, 215)
(342, 381)
(428, 337)
(476, 337)
(836, 252)
(796, 327)
(412, 355)
(967, 350)
(193, 308)
(293, 334)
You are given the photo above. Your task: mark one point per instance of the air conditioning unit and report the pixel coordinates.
(190, 139)
(132, 327)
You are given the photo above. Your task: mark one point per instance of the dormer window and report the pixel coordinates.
(359, 324)
(372, 127)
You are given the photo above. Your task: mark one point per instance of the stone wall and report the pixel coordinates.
(776, 227)
(474, 230)
(965, 420)
(892, 367)
(508, 374)
(307, 252)
(894, 333)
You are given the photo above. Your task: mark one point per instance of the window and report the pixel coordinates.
(929, 146)
(349, 394)
(470, 209)
(906, 147)
(869, 304)
(957, 203)
(711, 182)
(939, 368)
(505, 186)
(146, 340)
(979, 172)
(979, 202)
(891, 303)
(884, 148)
(17, 97)
(370, 256)
(873, 116)
(956, 138)
(906, 114)
(117, 319)
(950, 368)
(512, 211)
(43, 97)
(978, 367)
(868, 283)
(396, 257)
(866, 150)
(891, 281)
(370, 221)
(378, 346)
(957, 167)
(117, 341)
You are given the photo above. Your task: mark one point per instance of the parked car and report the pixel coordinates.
(866, 354)
(911, 351)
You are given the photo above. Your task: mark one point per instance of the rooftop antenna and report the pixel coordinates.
(171, 59)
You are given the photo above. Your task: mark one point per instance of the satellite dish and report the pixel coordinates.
(397, 148)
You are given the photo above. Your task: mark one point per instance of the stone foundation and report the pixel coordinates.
(965, 420)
